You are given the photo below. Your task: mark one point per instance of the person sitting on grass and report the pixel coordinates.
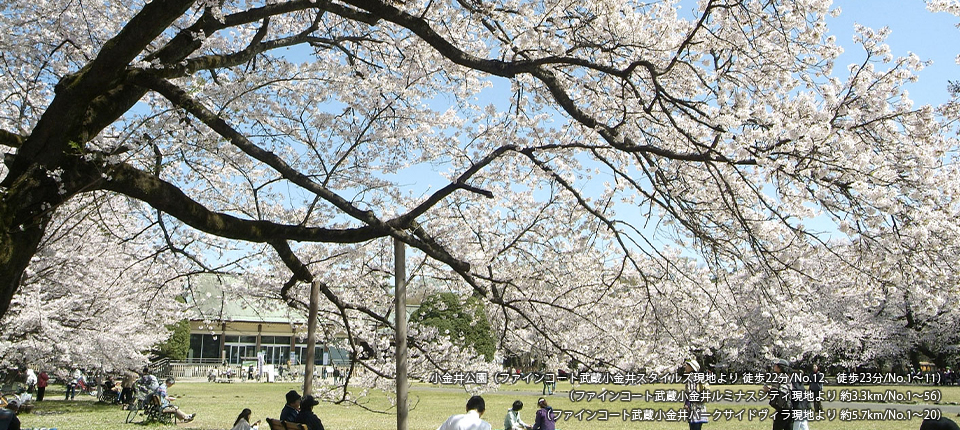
(8, 416)
(545, 419)
(470, 420)
(243, 421)
(512, 421)
(165, 400)
(306, 415)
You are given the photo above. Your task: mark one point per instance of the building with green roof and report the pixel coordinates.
(230, 327)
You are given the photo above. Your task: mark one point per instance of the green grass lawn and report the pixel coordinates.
(217, 405)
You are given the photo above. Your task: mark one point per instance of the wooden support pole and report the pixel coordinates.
(311, 337)
(400, 313)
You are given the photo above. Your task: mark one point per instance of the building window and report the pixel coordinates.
(205, 347)
(240, 352)
(276, 349)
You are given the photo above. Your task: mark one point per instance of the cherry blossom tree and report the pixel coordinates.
(96, 296)
(646, 169)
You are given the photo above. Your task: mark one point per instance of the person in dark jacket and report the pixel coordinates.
(292, 408)
(306, 415)
(545, 419)
(778, 391)
(943, 423)
(8, 416)
(816, 388)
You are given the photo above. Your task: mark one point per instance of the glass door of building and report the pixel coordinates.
(237, 354)
(276, 354)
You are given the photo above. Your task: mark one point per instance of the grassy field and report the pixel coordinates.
(217, 405)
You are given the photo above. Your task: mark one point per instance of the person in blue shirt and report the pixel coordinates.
(165, 400)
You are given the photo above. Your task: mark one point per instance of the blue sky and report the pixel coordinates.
(913, 29)
(932, 36)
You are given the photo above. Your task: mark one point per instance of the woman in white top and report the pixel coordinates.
(243, 421)
(512, 420)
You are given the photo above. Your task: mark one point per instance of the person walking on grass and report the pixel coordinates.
(75, 378)
(799, 402)
(695, 389)
(816, 389)
(42, 380)
(778, 392)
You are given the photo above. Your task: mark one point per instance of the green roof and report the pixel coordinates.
(215, 297)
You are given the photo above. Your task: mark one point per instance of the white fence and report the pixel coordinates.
(193, 370)
(225, 373)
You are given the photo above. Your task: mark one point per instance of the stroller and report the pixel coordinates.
(109, 392)
(22, 398)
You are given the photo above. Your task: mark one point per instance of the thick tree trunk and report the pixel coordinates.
(17, 249)
(85, 103)
(23, 221)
